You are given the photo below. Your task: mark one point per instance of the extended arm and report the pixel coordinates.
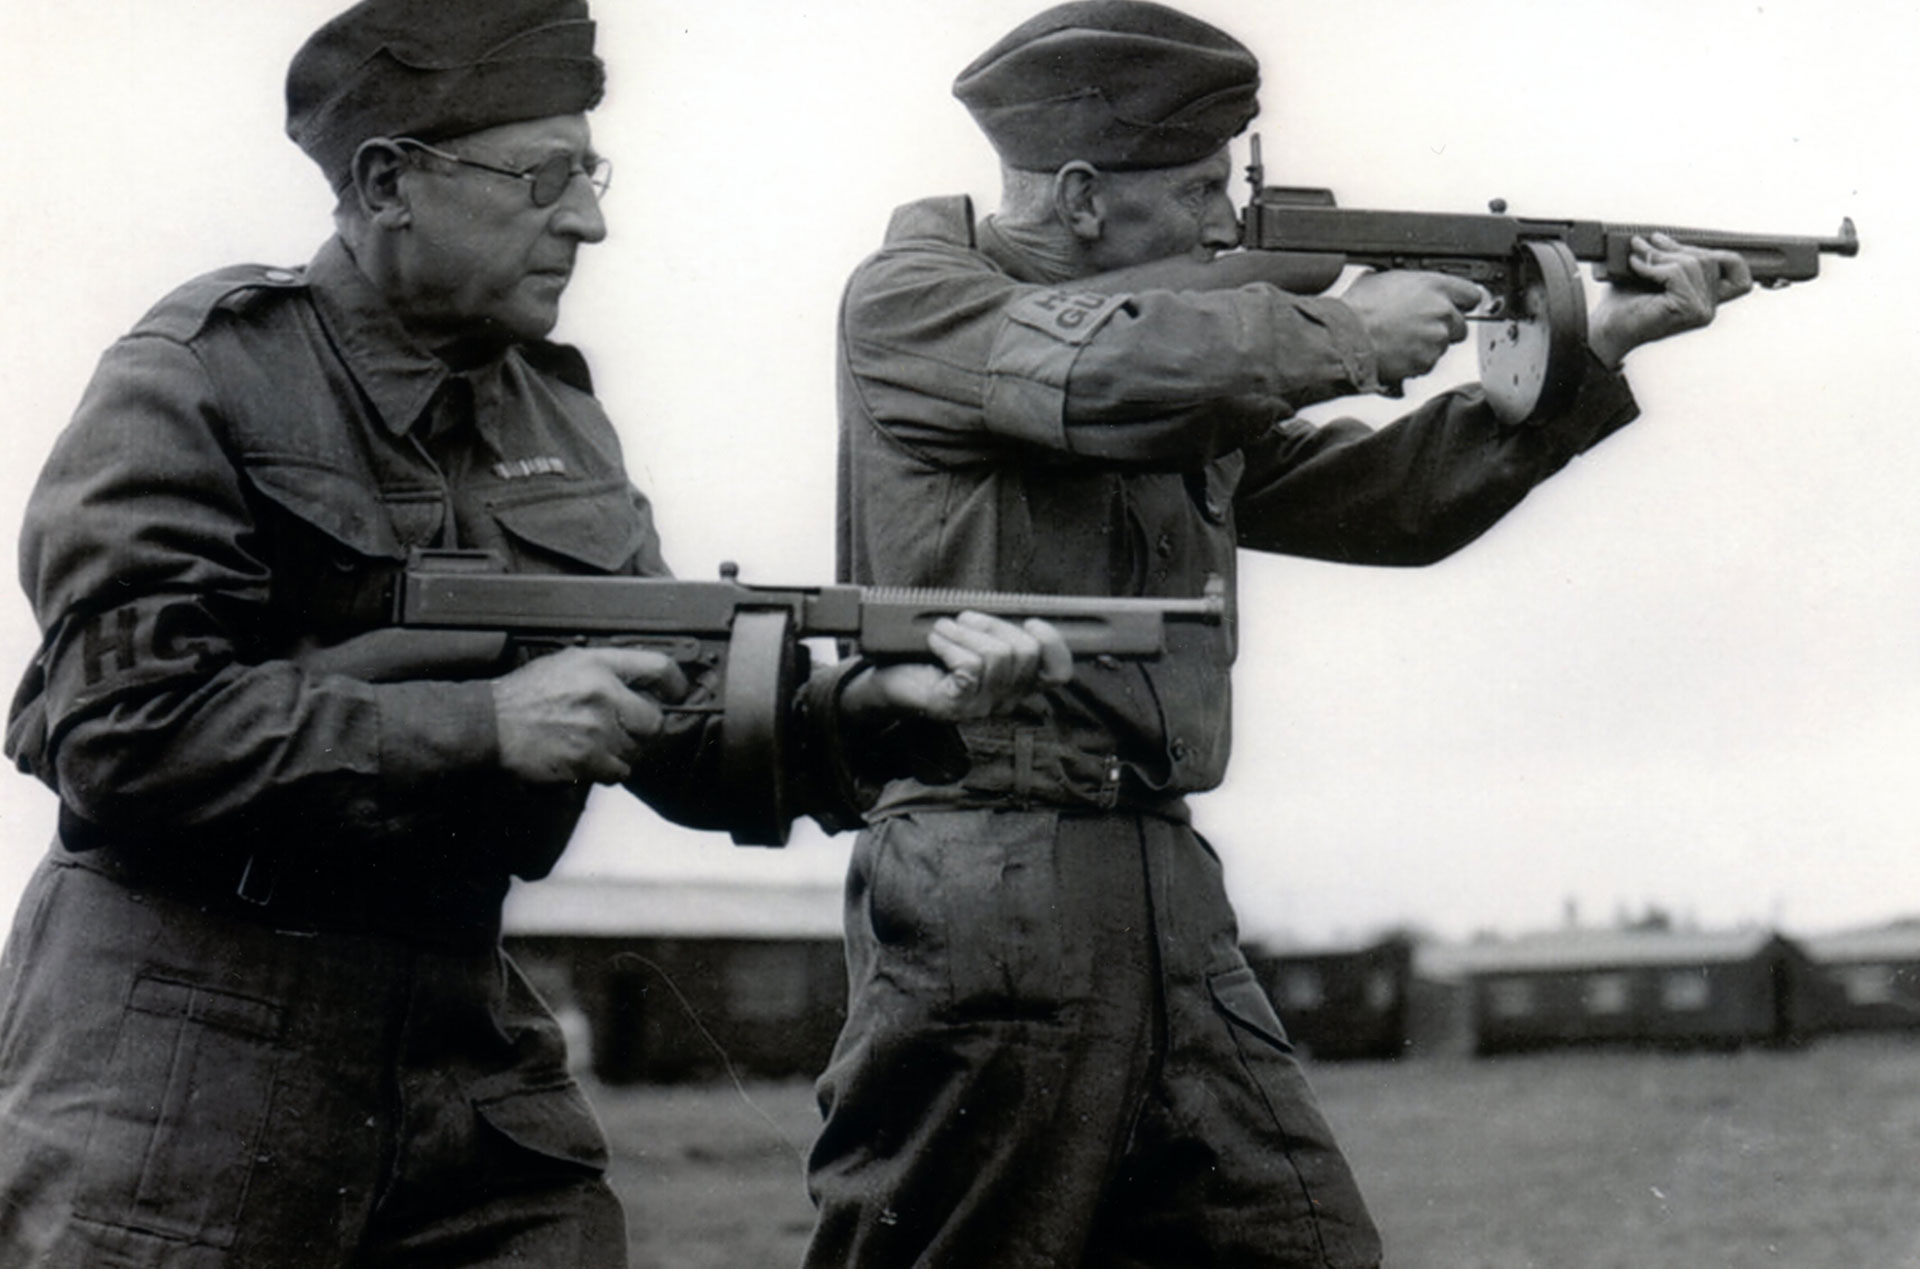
(1419, 489)
(1429, 484)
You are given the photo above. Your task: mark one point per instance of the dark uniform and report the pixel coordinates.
(254, 1010)
(1056, 1054)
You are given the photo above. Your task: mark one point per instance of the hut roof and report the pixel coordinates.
(1899, 941)
(619, 907)
(1591, 949)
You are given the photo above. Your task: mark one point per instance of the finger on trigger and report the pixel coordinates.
(638, 717)
(1465, 295)
(648, 671)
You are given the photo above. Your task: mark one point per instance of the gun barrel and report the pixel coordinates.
(1775, 259)
(895, 620)
(1844, 243)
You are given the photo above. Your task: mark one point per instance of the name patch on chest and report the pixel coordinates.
(1069, 316)
(520, 468)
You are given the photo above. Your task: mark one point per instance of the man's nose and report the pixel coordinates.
(1222, 228)
(577, 215)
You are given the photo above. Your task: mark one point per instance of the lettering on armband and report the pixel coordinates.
(1071, 316)
(130, 643)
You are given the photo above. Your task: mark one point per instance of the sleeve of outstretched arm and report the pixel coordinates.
(1420, 488)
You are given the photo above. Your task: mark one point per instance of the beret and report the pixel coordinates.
(1122, 84)
(431, 70)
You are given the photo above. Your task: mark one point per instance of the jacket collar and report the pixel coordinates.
(1014, 260)
(397, 375)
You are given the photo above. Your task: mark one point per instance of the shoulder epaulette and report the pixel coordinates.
(948, 219)
(185, 310)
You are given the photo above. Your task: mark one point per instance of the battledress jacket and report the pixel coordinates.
(245, 477)
(1001, 429)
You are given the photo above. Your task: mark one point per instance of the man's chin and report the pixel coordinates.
(527, 325)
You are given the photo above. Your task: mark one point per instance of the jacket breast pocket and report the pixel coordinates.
(334, 542)
(592, 526)
(178, 1129)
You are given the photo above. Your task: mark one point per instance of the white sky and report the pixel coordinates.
(1683, 674)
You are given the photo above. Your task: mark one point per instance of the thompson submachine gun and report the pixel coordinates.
(1532, 340)
(458, 614)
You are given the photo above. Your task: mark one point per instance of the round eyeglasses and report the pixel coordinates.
(547, 180)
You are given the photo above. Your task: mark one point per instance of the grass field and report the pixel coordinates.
(1808, 1159)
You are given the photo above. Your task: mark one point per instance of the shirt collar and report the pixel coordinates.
(397, 375)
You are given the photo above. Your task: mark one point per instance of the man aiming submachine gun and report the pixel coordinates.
(1533, 334)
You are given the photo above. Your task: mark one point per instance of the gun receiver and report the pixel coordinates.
(1532, 340)
(456, 613)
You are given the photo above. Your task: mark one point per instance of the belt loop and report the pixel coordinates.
(1023, 781)
(1109, 792)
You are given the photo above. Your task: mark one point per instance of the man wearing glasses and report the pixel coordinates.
(254, 1009)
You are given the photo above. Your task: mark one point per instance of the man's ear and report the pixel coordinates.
(375, 174)
(1079, 200)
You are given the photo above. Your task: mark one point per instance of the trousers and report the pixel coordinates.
(1056, 1055)
(180, 1088)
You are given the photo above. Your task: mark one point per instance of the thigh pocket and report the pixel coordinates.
(1237, 994)
(970, 904)
(1273, 1123)
(553, 1121)
(175, 1139)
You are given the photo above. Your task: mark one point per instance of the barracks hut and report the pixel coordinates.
(1340, 1003)
(1875, 975)
(1646, 987)
(680, 980)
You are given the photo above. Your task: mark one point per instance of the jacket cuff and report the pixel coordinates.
(428, 729)
(842, 762)
(1351, 343)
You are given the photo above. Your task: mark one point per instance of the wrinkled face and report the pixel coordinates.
(480, 261)
(1166, 212)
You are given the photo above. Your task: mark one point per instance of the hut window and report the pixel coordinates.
(1382, 990)
(1301, 988)
(767, 982)
(1510, 997)
(1685, 990)
(1606, 993)
(1868, 984)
